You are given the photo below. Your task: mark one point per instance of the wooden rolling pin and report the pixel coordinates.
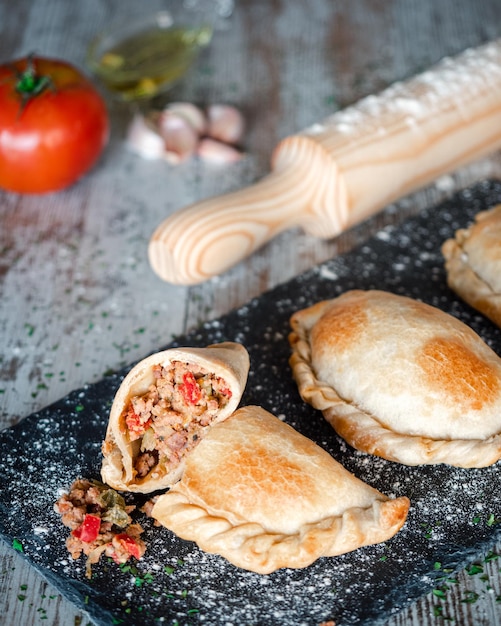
(339, 172)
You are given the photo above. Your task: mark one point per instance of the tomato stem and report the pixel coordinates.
(30, 84)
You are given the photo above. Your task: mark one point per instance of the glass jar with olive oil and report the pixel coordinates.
(141, 58)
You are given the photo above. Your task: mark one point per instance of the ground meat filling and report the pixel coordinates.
(100, 523)
(169, 417)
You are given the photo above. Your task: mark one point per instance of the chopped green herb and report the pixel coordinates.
(17, 545)
(471, 597)
(428, 530)
(79, 408)
(440, 593)
(491, 556)
(473, 569)
(168, 569)
(437, 565)
(21, 597)
(492, 520)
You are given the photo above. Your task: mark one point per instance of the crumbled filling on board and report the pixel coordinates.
(169, 417)
(100, 523)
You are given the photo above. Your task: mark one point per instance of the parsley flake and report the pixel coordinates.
(471, 597)
(17, 545)
(474, 568)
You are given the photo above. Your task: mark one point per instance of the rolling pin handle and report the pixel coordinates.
(207, 238)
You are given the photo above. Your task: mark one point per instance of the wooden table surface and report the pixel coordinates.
(77, 295)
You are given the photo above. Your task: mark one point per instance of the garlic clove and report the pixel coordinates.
(217, 152)
(180, 138)
(193, 114)
(225, 123)
(143, 139)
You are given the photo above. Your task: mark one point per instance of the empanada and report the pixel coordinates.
(164, 407)
(264, 497)
(473, 263)
(400, 379)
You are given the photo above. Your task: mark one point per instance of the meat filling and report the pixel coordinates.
(100, 523)
(168, 419)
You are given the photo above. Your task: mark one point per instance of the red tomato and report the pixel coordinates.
(53, 125)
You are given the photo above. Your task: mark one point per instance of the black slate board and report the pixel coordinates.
(448, 522)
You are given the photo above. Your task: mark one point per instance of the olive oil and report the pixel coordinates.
(144, 64)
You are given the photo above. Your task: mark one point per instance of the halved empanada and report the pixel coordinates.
(265, 497)
(164, 407)
(473, 263)
(400, 379)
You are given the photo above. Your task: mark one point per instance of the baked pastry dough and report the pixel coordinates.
(473, 263)
(164, 407)
(400, 379)
(265, 497)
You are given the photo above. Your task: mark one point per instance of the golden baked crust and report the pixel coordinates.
(228, 360)
(399, 379)
(473, 263)
(265, 497)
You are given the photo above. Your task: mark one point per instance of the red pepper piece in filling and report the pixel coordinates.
(88, 530)
(189, 389)
(226, 392)
(126, 542)
(136, 427)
